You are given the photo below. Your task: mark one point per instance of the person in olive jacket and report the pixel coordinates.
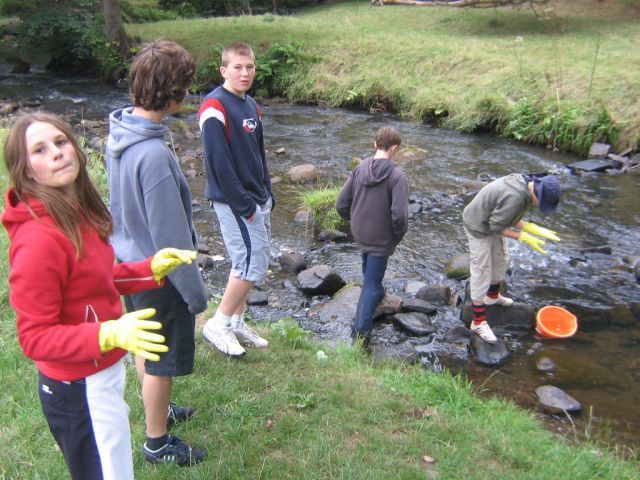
(375, 198)
(488, 220)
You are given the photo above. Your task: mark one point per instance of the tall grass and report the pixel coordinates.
(321, 203)
(469, 69)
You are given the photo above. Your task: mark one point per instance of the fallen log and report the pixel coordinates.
(459, 3)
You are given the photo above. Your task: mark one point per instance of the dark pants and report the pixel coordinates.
(373, 269)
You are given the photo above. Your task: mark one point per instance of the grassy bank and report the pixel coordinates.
(282, 414)
(285, 414)
(563, 78)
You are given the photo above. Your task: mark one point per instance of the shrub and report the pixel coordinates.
(279, 65)
(561, 125)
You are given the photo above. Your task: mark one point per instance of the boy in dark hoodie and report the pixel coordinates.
(151, 209)
(375, 198)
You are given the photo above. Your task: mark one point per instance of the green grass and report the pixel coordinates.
(571, 71)
(283, 414)
(322, 203)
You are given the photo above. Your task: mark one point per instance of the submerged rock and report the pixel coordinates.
(331, 235)
(292, 261)
(554, 400)
(594, 165)
(415, 323)
(490, 354)
(302, 173)
(304, 216)
(458, 267)
(545, 364)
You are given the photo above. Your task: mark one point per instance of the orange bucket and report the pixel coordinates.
(556, 322)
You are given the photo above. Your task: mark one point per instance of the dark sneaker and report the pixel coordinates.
(174, 451)
(178, 414)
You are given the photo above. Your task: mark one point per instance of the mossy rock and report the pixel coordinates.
(458, 267)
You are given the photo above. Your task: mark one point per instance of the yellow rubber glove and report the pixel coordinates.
(165, 260)
(534, 242)
(534, 229)
(130, 332)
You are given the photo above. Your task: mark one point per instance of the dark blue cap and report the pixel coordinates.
(547, 190)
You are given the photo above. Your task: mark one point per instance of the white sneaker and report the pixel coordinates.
(249, 338)
(483, 330)
(223, 339)
(500, 301)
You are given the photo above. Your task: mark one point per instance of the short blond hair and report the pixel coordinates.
(235, 48)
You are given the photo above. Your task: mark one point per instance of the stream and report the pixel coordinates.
(599, 366)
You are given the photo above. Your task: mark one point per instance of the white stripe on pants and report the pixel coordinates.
(110, 418)
(489, 260)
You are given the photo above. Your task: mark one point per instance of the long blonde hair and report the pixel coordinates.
(84, 207)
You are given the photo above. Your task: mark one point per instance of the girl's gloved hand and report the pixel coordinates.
(167, 259)
(130, 332)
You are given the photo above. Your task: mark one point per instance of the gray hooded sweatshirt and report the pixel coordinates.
(375, 198)
(498, 206)
(150, 200)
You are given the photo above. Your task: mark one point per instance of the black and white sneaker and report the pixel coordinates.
(177, 414)
(174, 451)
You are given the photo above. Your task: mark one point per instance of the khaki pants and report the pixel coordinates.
(489, 262)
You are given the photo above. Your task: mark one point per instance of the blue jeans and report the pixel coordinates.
(373, 269)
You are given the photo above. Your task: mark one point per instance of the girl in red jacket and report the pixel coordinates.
(65, 290)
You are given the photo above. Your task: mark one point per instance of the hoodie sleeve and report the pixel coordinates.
(40, 270)
(169, 226)
(219, 160)
(265, 166)
(345, 198)
(132, 277)
(399, 205)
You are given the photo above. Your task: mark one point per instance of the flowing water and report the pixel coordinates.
(599, 366)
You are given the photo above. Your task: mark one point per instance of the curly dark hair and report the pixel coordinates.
(160, 72)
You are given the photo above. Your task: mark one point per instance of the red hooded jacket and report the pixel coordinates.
(59, 299)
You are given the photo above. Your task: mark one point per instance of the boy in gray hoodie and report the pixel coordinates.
(151, 209)
(375, 198)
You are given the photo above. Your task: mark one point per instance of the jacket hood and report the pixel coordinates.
(16, 212)
(126, 129)
(376, 170)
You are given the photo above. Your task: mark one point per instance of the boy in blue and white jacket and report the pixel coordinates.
(239, 188)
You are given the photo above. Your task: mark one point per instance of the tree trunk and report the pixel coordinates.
(113, 26)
